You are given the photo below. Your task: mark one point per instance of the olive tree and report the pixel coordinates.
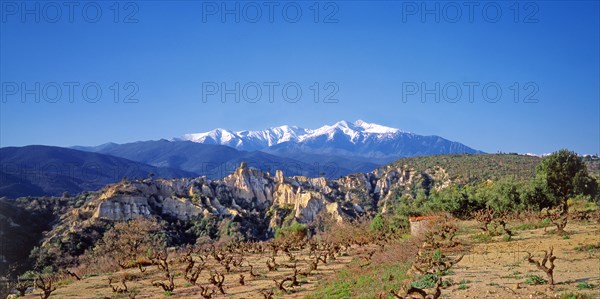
(564, 175)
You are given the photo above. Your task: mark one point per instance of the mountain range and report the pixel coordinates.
(358, 141)
(330, 151)
(213, 161)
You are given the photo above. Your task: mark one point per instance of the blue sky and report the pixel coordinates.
(364, 52)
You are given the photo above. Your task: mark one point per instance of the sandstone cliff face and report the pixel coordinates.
(123, 207)
(248, 194)
(246, 190)
(251, 186)
(249, 190)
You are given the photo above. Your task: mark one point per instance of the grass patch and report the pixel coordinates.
(64, 282)
(482, 238)
(571, 295)
(533, 225)
(514, 275)
(533, 279)
(591, 248)
(463, 284)
(357, 282)
(581, 205)
(467, 230)
(584, 286)
(447, 272)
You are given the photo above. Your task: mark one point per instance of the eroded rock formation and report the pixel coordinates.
(246, 196)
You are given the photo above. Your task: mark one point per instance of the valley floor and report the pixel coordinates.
(499, 269)
(491, 268)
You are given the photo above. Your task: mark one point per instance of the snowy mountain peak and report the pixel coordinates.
(261, 139)
(344, 138)
(375, 128)
(216, 136)
(344, 124)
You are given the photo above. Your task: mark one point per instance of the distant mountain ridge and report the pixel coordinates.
(217, 161)
(359, 140)
(330, 151)
(39, 170)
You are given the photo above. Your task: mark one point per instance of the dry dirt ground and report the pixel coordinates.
(498, 269)
(492, 269)
(97, 286)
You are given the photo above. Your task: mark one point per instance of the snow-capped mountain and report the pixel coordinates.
(258, 140)
(249, 140)
(359, 140)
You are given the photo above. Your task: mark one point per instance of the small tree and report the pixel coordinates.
(565, 175)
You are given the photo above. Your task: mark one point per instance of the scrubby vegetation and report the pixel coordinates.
(558, 182)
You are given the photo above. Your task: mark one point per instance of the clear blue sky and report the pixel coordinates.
(368, 51)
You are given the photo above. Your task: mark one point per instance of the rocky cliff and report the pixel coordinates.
(256, 202)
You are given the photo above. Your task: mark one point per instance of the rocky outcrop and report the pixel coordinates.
(249, 190)
(123, 208)
(251, 185)
(247, 196)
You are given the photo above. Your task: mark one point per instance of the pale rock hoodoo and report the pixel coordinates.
(251, 196)
(251, 185)
(248, 190)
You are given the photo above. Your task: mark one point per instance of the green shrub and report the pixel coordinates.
(204, 226)
(505, 196)
(533, 279)
(584, 285)
(425, 281)
(377, 224)
(295, 230)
